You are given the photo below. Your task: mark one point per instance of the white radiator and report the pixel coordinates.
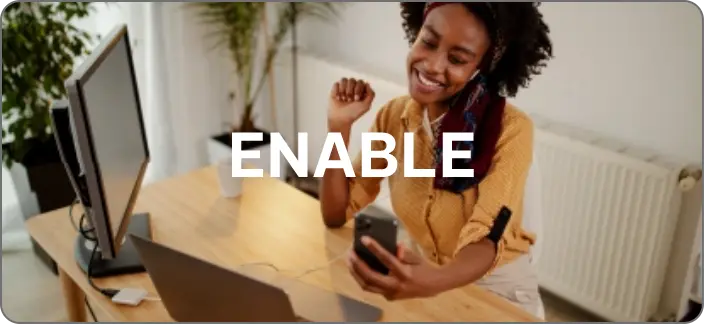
(609, 213)
(609, 220)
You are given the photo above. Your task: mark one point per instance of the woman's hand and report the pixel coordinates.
(349, 100)
(410, 276)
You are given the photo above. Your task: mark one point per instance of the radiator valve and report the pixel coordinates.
(688, 178)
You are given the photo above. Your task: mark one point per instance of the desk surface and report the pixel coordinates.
(271, 222)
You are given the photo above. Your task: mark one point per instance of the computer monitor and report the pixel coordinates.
(102, 141)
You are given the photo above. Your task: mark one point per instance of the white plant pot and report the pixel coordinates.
(26, 198)
(217, 152)
(230, 187)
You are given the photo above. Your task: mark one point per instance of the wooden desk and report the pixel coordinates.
(271, 222)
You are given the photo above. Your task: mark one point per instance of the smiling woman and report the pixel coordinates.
(464, 60)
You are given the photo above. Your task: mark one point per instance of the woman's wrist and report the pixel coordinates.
(338, 127)
(345, 131)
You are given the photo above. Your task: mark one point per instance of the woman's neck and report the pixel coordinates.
(436, 110)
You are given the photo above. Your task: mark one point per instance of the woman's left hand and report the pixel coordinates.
(410, 276)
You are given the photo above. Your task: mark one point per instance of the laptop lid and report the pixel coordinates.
(193, 290)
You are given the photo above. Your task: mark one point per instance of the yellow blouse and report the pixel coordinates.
(441, 222)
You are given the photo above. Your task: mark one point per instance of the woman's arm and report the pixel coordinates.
(470, 264)
(334, 189)
(349, 100)
(502, 187)
(342, 197)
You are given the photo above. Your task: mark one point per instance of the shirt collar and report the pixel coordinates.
(412, 116)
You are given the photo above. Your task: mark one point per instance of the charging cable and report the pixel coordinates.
(90, 309)
(86, 234)
(303, 273)
(128, 296)
(70, 215)
(327, 265)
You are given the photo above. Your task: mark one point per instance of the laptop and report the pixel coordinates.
(193, 290)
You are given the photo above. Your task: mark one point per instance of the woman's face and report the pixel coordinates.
(446, 53)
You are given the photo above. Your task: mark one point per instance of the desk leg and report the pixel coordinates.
(73, 297)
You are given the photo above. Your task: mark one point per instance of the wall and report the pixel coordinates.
(631, 71)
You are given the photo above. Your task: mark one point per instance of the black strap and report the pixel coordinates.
(497, 231)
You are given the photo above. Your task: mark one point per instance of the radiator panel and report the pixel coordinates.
(609, 221)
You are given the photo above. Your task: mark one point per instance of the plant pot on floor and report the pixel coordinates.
(220, 149)
(42, 186)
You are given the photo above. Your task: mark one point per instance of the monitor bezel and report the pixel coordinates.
(108, 241)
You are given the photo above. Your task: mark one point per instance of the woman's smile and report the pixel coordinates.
(423, 83)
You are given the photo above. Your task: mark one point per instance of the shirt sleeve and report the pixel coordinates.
(363, 191)
(502, 186)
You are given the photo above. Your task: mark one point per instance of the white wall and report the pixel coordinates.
(631, 71)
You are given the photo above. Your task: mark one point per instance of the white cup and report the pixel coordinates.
(230, 187)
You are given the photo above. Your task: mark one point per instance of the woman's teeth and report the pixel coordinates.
(427, 82)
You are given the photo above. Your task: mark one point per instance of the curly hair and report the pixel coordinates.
(525, 37)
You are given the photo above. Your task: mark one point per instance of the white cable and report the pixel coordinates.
(266, 264)
(308, 271)
(311, 270)
(327, 265)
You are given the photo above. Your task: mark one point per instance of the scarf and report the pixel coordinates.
(475, 109)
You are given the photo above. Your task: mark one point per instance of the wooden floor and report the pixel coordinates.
(31, 293)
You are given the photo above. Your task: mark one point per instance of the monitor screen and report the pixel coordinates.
(112, 110)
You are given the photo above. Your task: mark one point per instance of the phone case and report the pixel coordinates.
(382, 229)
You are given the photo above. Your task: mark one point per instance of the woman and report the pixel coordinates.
(465, 58)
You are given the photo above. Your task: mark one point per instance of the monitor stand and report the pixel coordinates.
(127, 260)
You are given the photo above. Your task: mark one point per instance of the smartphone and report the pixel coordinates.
(381, 227)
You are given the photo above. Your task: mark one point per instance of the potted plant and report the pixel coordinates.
(39, 45)
(240, 27)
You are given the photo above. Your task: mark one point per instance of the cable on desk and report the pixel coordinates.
(70, 215)
(81, 226)
(90, 309)
(266, 264)
(89, 235)
(108, 292)
(327, 265)
(305, 272)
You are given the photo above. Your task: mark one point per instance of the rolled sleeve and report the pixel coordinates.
(502, 187)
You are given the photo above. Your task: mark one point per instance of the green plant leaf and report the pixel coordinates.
(40, 43)
(236, 27)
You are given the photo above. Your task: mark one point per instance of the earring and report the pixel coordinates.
(474, 75)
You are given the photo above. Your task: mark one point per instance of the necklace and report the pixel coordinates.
(433, 126)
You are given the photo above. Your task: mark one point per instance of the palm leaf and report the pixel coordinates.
(237, 28)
